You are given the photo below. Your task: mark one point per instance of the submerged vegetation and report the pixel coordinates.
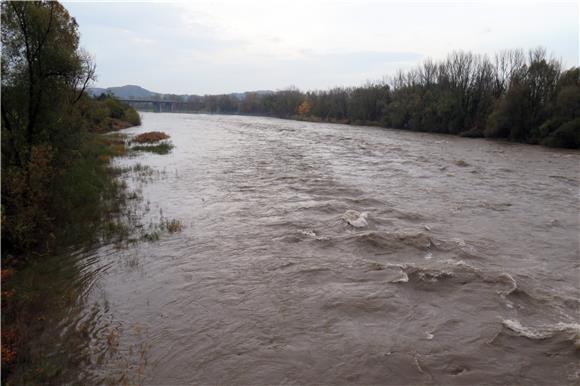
(153, 142)
(161, 148)
(151, 137)
(165, 225)
(173, 225)
(523, 97)
(88, 201)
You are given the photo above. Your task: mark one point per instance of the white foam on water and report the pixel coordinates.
(403, 279)
(462, 264)
(308, 232)
(506, 277)
(311, 233)
(355, 218)
(527, 332)
(544, 332)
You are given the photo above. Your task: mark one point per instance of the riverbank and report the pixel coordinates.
(36, 283)
(42, 291)
(58, 189)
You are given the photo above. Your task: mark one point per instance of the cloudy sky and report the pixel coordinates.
(208, 47)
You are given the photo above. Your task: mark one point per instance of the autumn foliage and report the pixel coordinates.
(304, 108)
(151, 137)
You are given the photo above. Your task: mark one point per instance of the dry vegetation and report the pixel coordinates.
(151, 137)
(153, 142)
(173, 225)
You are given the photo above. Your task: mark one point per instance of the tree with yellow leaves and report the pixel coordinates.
(304, 108)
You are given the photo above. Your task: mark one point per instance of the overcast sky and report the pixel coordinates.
(209, 47)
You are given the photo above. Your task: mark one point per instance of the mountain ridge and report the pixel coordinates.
(131, 91)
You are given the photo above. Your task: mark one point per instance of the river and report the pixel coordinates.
(466, 271)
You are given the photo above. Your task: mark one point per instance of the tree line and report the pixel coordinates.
(515, 95)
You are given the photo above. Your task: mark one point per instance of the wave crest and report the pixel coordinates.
(571, 331)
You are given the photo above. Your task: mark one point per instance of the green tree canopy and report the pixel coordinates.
(44, 74)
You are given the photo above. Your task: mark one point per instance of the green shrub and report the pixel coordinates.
(132, 116)
(567, 135)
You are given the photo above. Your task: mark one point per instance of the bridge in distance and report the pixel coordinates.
(158, 106)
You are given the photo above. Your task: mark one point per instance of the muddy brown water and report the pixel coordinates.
(467, 272)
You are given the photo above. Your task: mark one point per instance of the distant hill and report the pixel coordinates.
(95, 91)
(124, 92)
(138, 92)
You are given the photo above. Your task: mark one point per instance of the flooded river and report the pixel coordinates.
(461, 266)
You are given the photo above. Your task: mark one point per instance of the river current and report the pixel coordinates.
(463, 269)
